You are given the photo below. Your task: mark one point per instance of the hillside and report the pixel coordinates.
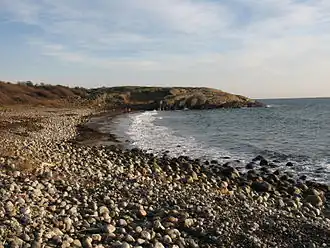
(47, 95)
(133, 97)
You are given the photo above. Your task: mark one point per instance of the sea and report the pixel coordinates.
(287, 130)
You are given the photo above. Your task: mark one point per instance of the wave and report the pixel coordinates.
(147, 135)
(158, 132)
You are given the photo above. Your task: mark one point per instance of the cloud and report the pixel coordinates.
(236, 41)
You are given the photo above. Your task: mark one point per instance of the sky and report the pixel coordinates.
(257, 48)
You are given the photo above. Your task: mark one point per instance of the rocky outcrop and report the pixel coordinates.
(149, 98)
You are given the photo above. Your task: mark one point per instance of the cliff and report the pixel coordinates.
(133, 97)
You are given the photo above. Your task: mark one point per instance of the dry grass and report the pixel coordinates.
(47, 95)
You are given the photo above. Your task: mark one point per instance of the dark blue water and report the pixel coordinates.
(296, 130)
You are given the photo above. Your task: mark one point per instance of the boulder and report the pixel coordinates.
(315, 200)
(258, 158)
(261, 186)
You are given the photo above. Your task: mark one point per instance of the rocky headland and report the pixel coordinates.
(56, 191)
(125, 97)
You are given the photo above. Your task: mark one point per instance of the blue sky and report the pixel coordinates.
(259, 48)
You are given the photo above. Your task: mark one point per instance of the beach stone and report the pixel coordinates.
(125, 245)
(289, 164)
(96, 237)
(158, 225)
(122, 222)
(68, 223)
(230, 172)
(129, 238)
(261, 186)
(88, 243)
(172, 219)
(188, 222)
(315, 200)
(138, 229)
(76, 243)
(194, 176)
(251, 165)
(159, 245)
(142, 213)
(167, 239)
(145, 235)
(66, 244)
(9, 207)
(258, 158)
(263, 162)
(109, 228)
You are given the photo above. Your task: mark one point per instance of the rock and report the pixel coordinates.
(315, 200)
(96, 237)
(145, 235)
(251, 165)
(138, 229)
(9, 207)
(230, 172)
(159, 245)
(263, 162)
(88, 243)
(172, 219)
(140, 241)
(109, 228)
(125, 245)
(188, 222)
(281, 203)
(76, 243)
(167, 239)
(142, 213)
(73, 211)
(289, 164)
(158, 225)
(258, 158)
(68, 223)
(194, 176)
(66, 244)
(192, 243)
(129, 239)
(122, 222)
(261, 186)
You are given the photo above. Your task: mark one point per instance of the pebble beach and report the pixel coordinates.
(57, 192)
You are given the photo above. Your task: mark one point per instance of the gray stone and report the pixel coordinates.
(315, 200)
(159, 245)
(145, 235)
(125, 245)
(109, 228)
(188, 222)
(122, 222)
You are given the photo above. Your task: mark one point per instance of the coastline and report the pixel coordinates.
(89, 134)
(74, 194)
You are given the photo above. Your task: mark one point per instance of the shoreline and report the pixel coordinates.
(88, 132)
(83, 196)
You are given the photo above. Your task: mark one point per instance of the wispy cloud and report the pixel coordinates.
(277, 39)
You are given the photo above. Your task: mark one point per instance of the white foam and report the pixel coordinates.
(158, 139)
(147, 135)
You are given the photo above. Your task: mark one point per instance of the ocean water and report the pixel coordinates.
(295, 130)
